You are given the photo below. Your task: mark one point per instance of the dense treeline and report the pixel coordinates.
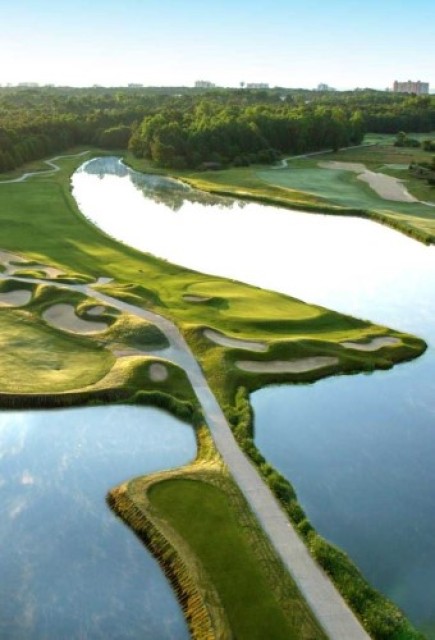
(208, 131)
(186, 127)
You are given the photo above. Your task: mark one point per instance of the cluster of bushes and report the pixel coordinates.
(181, 409)
(403, 140)
(380, 617)
(424, 170)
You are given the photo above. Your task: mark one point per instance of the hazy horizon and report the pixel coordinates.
(345, 44)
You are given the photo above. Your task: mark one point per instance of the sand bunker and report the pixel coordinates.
(16, 298)
(373, 345)
(357, 167)
(226, 341)
(7, 256)
(385, 186)
(158, 372)
(63, 316)
(287, 366)
(96, 311)
(103, 280)
(50, 272)
(196, 299)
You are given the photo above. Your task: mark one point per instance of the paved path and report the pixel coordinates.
(283, 164)
(328, 606)
(51, 163)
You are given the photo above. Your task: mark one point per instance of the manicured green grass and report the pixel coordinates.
(202, 515)
(38, 359)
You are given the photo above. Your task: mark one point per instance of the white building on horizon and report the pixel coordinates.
(419, 88)
(204, 84)
(257, 85)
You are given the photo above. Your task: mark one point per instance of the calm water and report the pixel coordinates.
(69, 568)
(359, 450)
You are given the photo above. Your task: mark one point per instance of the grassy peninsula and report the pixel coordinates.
(43, 231)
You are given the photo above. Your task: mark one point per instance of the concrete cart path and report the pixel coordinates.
(47, 172)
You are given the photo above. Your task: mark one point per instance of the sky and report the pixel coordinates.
(343, 43)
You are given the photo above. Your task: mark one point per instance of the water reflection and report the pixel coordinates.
(69, 568)
(162, 190)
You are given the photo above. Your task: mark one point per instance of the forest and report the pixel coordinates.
(188, 128)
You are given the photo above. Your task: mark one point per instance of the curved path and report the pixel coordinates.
(331, 611)
(48, 172)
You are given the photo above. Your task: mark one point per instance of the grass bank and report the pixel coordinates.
(227, 577)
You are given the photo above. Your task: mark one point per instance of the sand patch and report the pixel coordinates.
(158, 372)
(7, 256)
(226, 341)
(357, 167)
(196, 299)
(373, 345)
(103, 280)
(302, 365)
(386, 187)
(96, 311)
(16, 298)
(63, 316)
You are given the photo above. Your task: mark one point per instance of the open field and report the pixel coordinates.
(41, 223)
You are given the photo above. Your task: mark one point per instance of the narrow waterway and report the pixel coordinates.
(358, 449)
(69, 568)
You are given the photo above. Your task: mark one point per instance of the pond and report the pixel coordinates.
(69, 568)
(357, 449)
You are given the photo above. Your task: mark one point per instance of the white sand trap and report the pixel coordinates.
(158, 372)
(96, 311)
(7, 256)
(226, 341)
(103, 280)
(357, 167)
(386, 187)
(373, 345)
(287, 366)
(63, 316)
(16, 298)
(196, 299)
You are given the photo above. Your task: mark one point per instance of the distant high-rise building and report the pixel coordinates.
(135, 85)
(257, 85)
(28, 85)
(324, 87)
(419, 88)
(204, 84)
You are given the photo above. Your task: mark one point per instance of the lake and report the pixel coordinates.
(358, 449)
(69, 568)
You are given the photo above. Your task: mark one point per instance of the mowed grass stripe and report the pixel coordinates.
(201, 513)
